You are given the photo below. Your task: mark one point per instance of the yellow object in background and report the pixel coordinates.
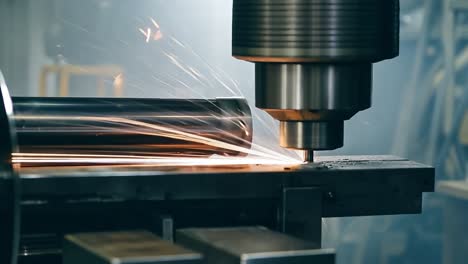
(64, 72)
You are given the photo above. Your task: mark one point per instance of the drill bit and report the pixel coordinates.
(309, 156)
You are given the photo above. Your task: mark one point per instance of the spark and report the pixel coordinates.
(213, 71)
(146, 33)
(173, 59)
(154, 23)
(177, 42)
(215, 75)
(158, 35)
(195, 71)
(39, 158)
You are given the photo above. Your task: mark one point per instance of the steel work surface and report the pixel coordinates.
(351, 186)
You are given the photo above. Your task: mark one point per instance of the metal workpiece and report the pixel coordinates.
(315, 30)
(156, 127)
(130, 247)
(249, 245)
(10, 188)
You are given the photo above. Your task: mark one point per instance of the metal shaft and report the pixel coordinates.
(157, 127)
(309, 156)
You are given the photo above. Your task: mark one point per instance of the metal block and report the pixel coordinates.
(124, 248)
(251, 245)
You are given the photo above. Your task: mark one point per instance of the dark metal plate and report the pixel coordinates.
(350, 186)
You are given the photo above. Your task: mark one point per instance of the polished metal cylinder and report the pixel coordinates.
(155, 127)
(313, 91)
(306, 135)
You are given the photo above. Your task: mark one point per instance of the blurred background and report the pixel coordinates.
(181, 48)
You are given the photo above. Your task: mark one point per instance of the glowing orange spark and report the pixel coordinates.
(158, 35)
(150, 34)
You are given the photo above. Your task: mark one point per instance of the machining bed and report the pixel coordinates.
(290, 199)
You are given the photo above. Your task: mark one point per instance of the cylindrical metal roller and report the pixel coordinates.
(155, 127)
